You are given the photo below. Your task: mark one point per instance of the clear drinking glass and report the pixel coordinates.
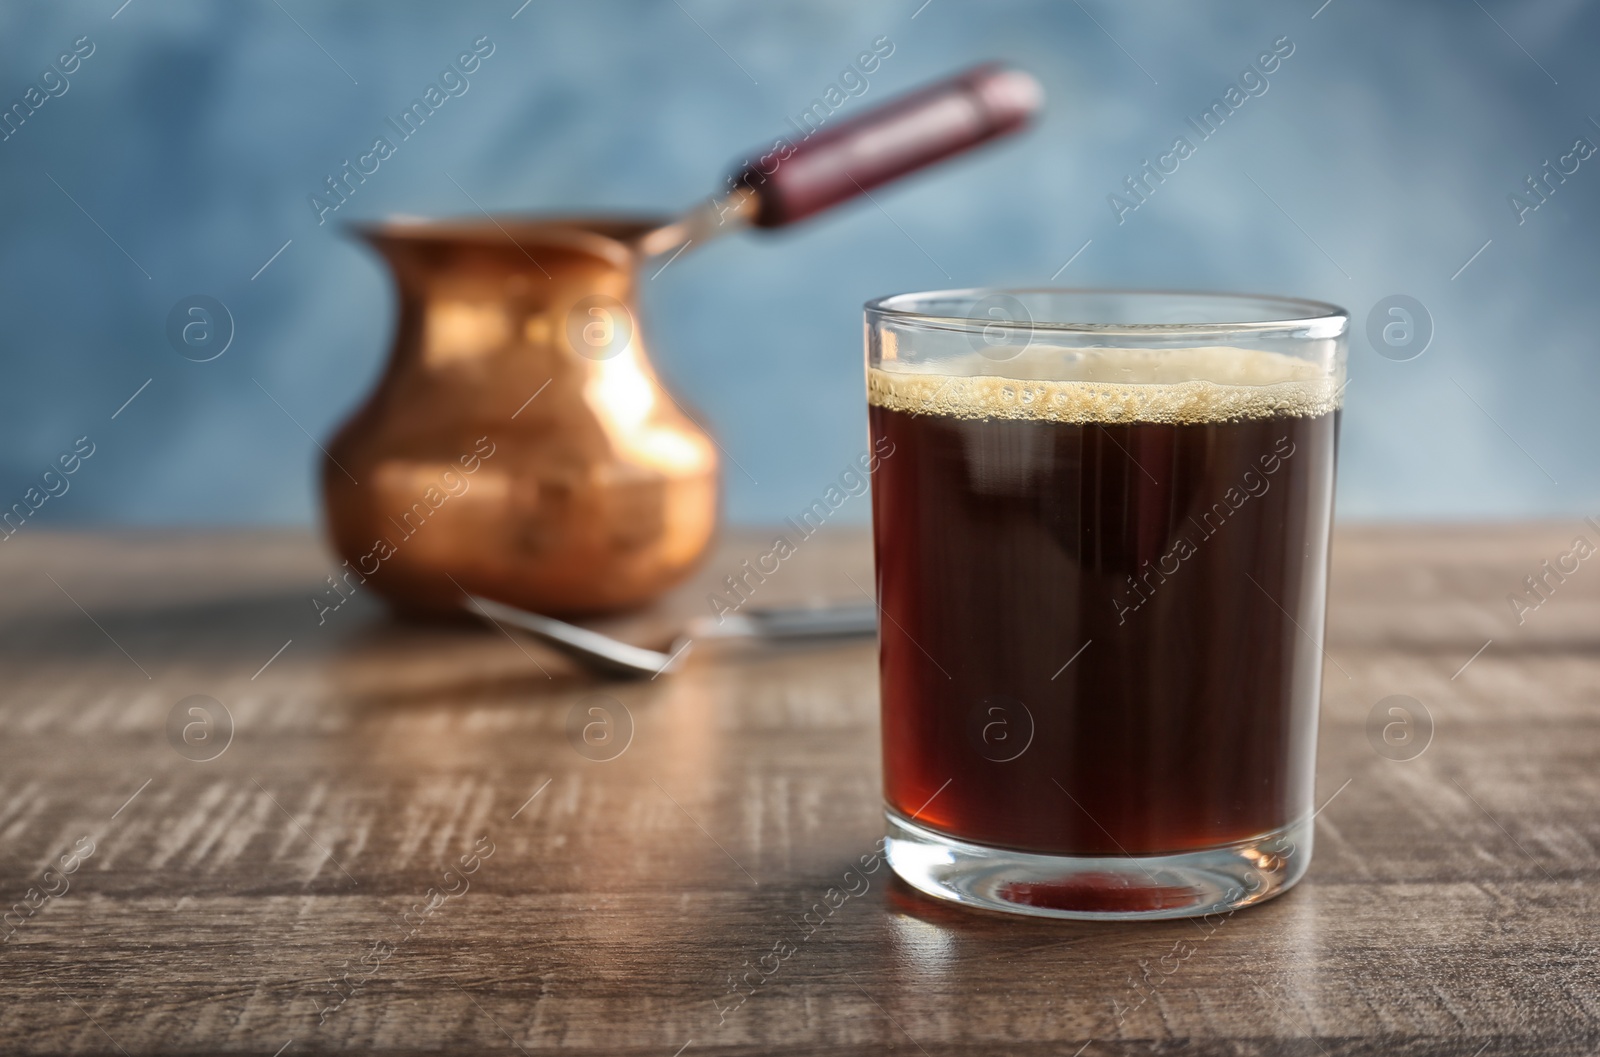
(1101, 524)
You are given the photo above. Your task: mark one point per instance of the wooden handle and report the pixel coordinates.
(928, 125)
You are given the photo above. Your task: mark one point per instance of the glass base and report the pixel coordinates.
(1100, 887)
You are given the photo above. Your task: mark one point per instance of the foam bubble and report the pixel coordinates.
(1212, 384)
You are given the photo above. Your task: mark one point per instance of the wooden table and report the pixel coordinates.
(401, 809)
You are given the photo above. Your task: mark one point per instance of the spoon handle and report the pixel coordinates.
(589, 648)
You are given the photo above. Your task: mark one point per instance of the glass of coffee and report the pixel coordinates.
(1101, 526)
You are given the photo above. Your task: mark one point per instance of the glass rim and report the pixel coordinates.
(1297, 313)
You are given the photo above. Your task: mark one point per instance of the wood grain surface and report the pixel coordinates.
(400, 849)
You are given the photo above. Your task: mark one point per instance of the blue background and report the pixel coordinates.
(1389, 142)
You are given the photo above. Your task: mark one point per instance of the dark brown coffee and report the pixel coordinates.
(1103, 599)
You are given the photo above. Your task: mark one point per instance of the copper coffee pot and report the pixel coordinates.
(519, 446)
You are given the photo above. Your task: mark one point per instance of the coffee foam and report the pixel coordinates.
(1211, 384)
